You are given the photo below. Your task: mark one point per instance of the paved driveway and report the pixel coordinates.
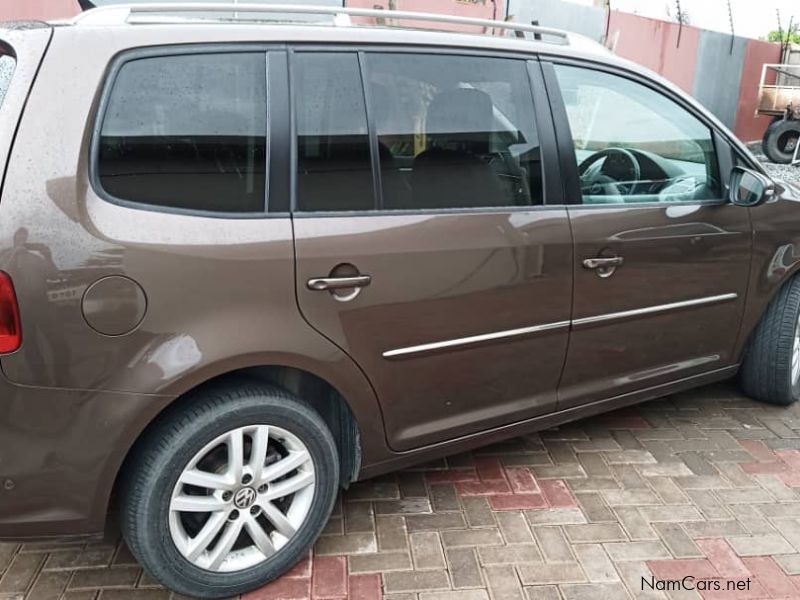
(705, 483)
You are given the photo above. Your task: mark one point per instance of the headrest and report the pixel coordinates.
(461, 110)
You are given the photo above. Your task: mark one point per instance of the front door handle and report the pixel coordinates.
(328, 284)
(603, 263)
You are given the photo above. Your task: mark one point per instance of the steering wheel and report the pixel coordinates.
(606, 185)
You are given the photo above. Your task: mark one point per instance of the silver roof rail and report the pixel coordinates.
(148, 13)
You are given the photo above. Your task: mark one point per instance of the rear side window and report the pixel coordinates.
(7, 65)
(334, 169)
(187, 132)
(454, 131)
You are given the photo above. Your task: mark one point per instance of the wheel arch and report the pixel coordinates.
(757, 305)
(338, 400)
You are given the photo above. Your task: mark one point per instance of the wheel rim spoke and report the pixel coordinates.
(209, 481)
(225, 544)
(258, 451)
(198, 504)
(198, 544)
(259, 536)
(236, 454)
(278, 519)
(286, 465)
(289, 486)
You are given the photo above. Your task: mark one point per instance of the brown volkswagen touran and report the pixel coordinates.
(247, 259)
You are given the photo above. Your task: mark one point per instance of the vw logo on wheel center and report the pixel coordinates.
(244, 498)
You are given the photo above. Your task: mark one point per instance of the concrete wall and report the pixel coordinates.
(13, 10)
(586, 20)
(724, 77)
(718, 77)
(480, 9)
(750, 126)
(654, 44)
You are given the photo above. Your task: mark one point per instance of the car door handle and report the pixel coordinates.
(327, 284)
(603, 263)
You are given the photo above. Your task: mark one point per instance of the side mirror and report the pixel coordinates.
(750, 188)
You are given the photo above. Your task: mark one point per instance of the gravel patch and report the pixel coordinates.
(782, 172)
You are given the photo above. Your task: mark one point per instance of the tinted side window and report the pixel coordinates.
(334, 171)
(188, 132)
(454, 131)
(634, 144)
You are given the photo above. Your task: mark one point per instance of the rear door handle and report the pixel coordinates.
(603, 263)
(327, 284)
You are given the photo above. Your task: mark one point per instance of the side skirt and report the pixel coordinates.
(462, 444)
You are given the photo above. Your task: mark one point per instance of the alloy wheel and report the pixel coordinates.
(241, 498)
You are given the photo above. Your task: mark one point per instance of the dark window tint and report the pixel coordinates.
(334, 169)
(454, 131)
(188, 132)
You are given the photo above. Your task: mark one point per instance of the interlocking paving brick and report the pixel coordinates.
(677, 541)
(790, 563)
(760, 545)
(103, 578)
(503, 582)
(553, 544)
(514, 527)
(415, 581)
(352, 543)
(513, 554)
(596, 563)
(592, 591)
(543, 592)
(364, 587)
(426, 550)
(542, 574)
(457, 595)
(20, 574)
(465, 572)
(704, 482)
(595, 532)
(329, 577)
(380, 563)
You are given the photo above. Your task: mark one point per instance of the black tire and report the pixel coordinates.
(776, 137)
(168, 446)
(766, 373)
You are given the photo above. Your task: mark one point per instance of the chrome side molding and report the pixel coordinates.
(473, 340)
(456, 343)
(649, 310)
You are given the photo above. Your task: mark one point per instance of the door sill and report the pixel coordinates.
(468, 442)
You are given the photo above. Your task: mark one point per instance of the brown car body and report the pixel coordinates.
(126, 310)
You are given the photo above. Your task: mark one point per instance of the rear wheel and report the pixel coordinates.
(781, 140)
(771, 369)
(228, 494)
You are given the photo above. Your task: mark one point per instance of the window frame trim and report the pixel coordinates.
(164, 51)
(551, 167)
(569, 164)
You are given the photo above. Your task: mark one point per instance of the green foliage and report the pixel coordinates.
(793, 36)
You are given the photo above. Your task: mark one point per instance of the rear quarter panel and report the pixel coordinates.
(220, 292)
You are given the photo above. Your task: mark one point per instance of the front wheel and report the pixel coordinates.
(771, 368)
(781, 140)
(230, 492)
